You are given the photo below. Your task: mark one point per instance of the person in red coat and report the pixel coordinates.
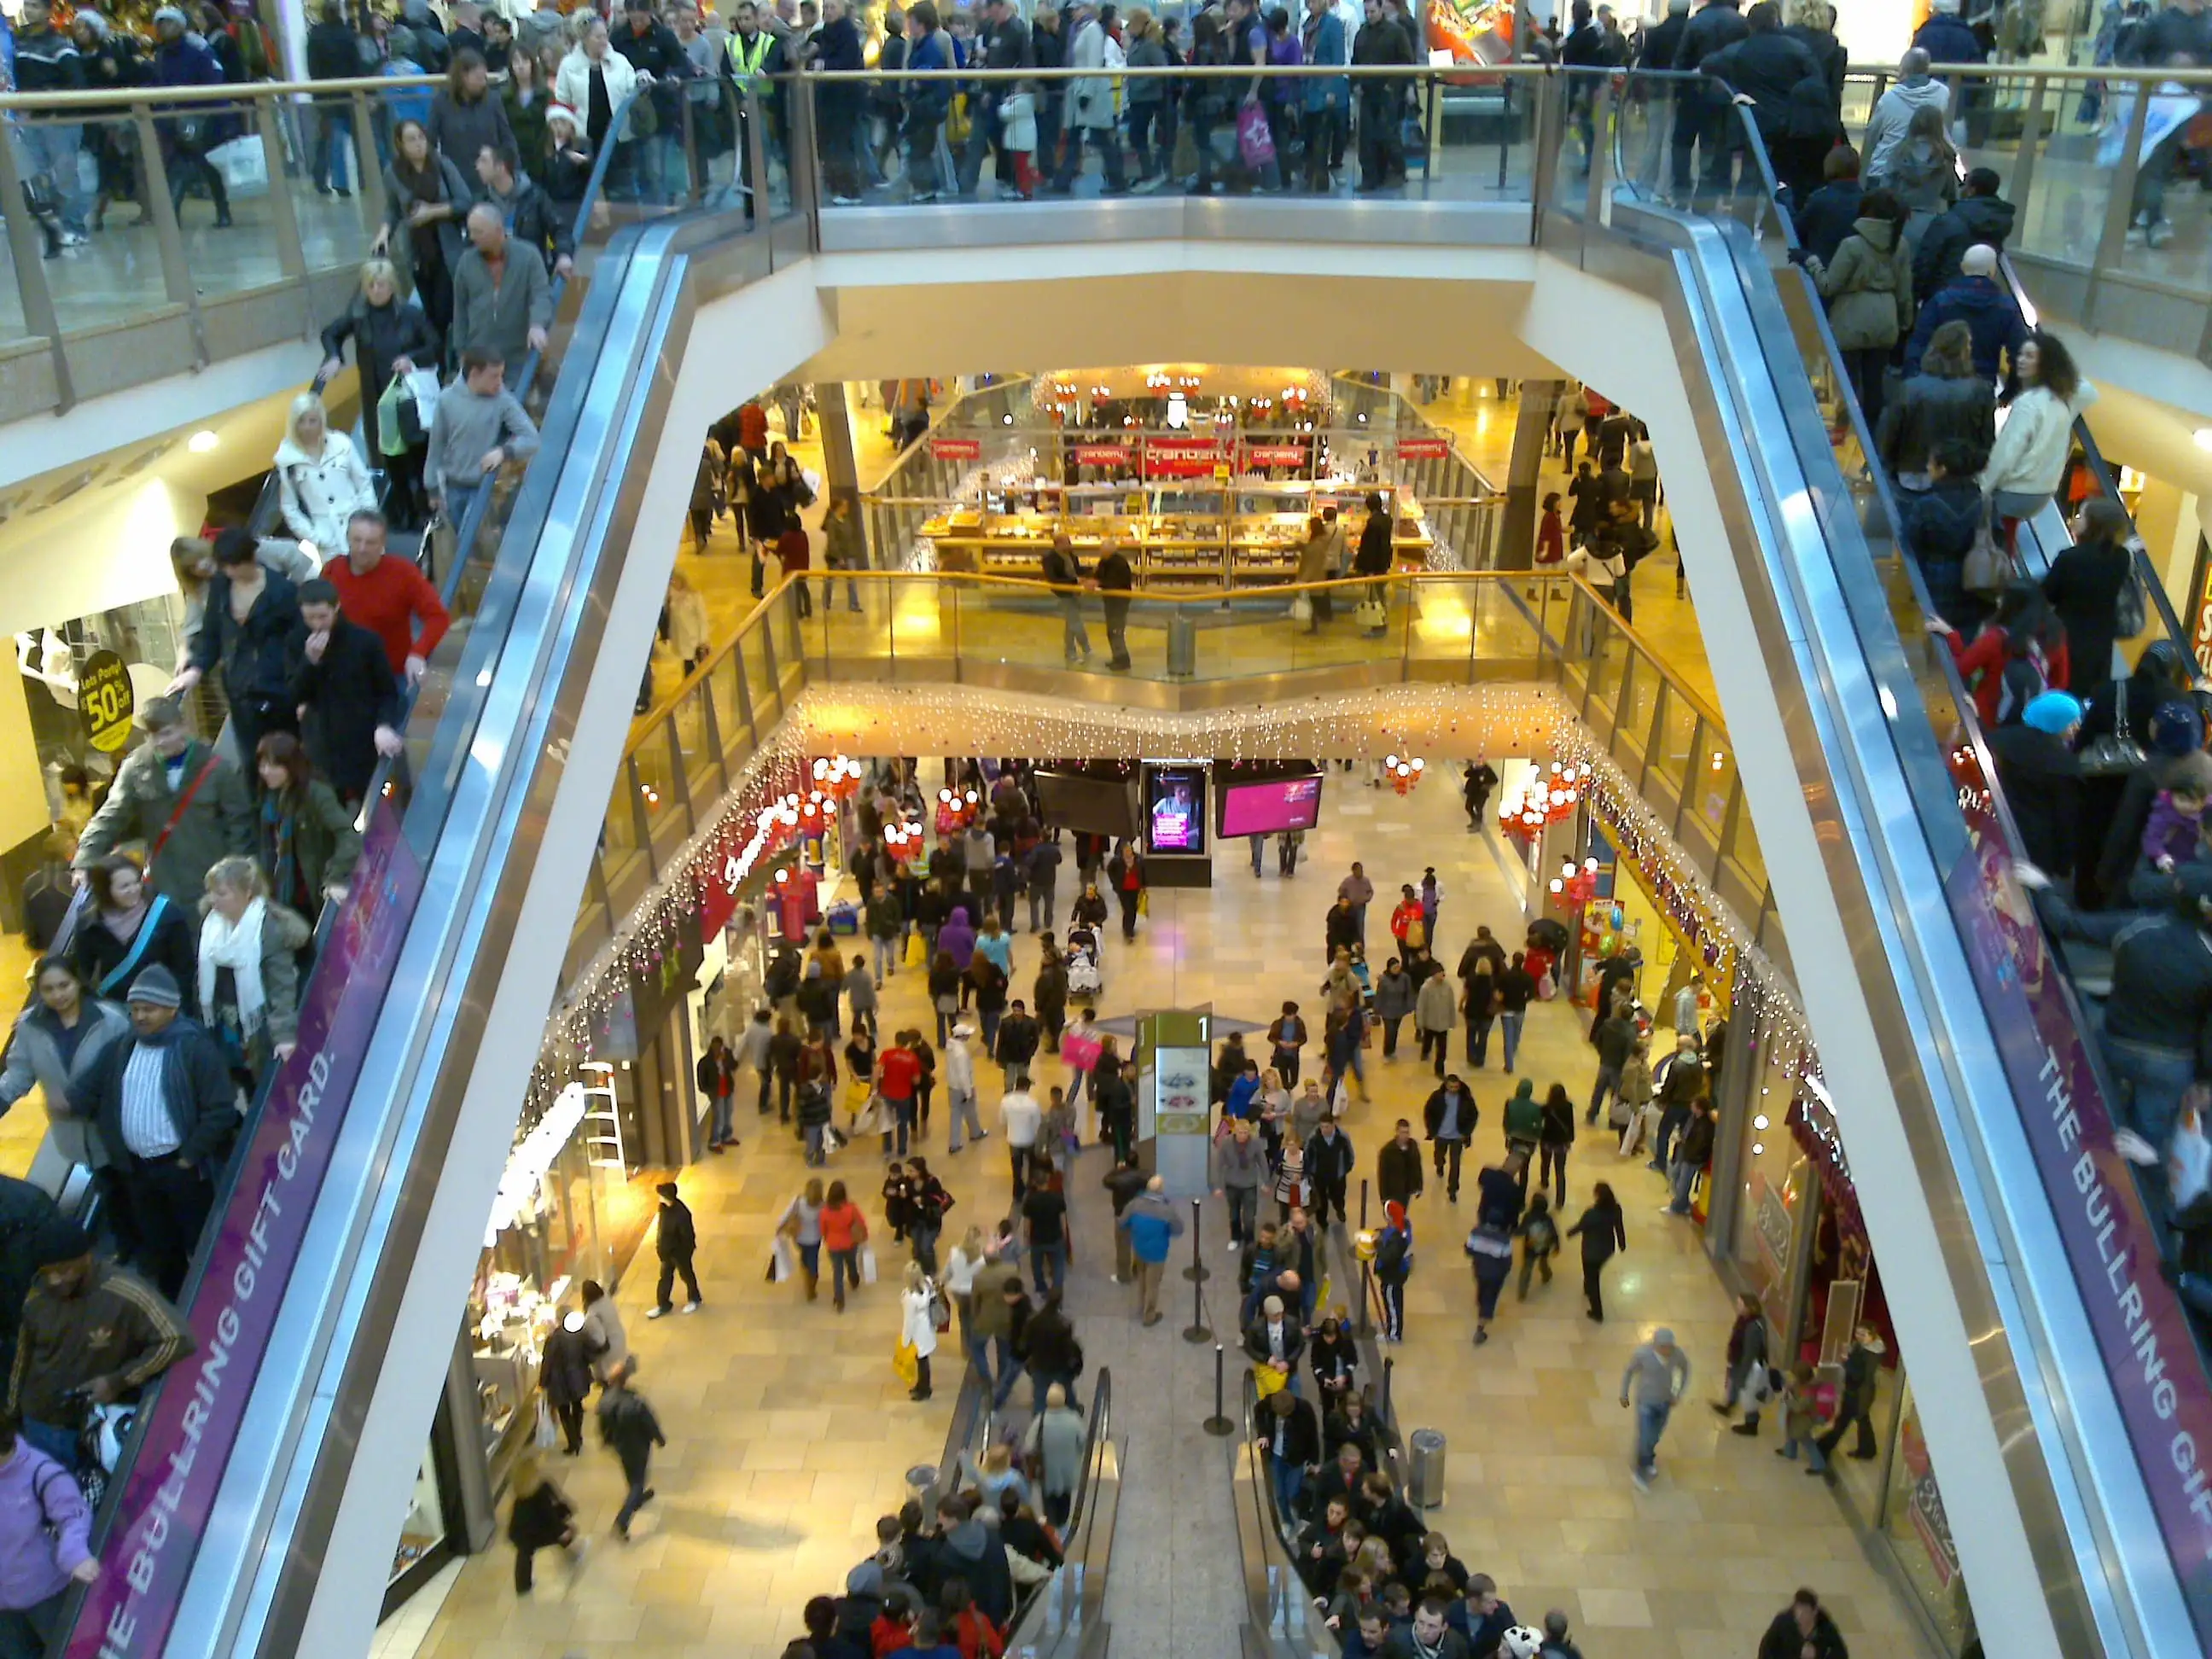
(795, 553)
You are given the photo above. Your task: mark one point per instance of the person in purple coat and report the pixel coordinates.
(46, 1529)
(956, 939)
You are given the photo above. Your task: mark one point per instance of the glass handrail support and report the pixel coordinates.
(2110, 1373)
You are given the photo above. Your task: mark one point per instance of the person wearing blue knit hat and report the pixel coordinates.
(2041, 779)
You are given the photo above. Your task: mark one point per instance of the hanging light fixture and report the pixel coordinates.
(1404, 772)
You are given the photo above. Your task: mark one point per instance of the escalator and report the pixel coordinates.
(240, 1479)
(2072, 1370)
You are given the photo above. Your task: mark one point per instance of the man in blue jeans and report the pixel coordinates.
(1044, 1221)
(1658, 1373)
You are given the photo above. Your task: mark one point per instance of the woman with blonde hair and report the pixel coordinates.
(249, 970)
(391, 336)
(918, 1325)
(321, 481)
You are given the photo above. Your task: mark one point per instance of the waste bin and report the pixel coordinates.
(1425, 1481)
(1182, 645)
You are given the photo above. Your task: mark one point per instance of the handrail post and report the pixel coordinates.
(759, 200)
(803, 162)
(2119, 209)
(1544, 165)
(176, 272)
(366, 163)
(38, 294)
(1599, 169)
(291, 255)
(2031, 143)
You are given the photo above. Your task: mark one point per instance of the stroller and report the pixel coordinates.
(1082, 957)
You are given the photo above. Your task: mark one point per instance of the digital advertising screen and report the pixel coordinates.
(1269, 808)
(1101, 806)
(1175, 809)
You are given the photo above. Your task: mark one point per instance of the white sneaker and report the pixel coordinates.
(657, 1313)
(690, 1307)
(844, 201)
(1232, 1247)
(2133, 1148)
(1643, 1480)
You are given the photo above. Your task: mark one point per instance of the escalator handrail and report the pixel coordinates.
(226, 1188)
(1821, 465)
(1278, 1541)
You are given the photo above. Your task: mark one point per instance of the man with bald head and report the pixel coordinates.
(503, 298)
(1975, 298)
(1912, 91)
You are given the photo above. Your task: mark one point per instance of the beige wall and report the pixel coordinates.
(22, 786)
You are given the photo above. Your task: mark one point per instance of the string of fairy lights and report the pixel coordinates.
(793, 785)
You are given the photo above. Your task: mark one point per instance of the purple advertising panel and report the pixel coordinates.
(2141, 1330)
(186, 1436)
(1270, 808)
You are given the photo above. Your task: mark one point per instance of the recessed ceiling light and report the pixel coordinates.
(200, 442)
(2204, 436)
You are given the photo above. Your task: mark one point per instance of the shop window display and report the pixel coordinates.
(422, 1529)
(1919, 1531)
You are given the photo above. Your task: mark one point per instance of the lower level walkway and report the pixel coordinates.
(789, 1433)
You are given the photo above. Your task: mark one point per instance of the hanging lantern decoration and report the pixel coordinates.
(903, 840)
(1404, 772)
(1576, 884)
(1543, 798)
(837, 777)
(956, 810)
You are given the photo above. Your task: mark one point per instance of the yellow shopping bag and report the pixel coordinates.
(906, 1363)
(1268, 1380)
(917, 953)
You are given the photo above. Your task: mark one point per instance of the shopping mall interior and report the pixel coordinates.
(850, 693)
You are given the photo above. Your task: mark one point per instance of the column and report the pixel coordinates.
(1516, 545)
(841, 468)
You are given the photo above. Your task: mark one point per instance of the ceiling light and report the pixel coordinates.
(2203, 436)
(200, 442)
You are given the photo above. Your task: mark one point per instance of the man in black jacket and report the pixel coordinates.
(1380, 43)
(1328, 1167)
(1115, 580)
(1701, 114)
(532, 219)
(675, 1240)
(1005, 47)
(628, 1429)
(348, 697)
(167, 1110)
(46, 60)
(1450, 1117)
(334, 54)
(1979, 214)
(1803, 1627)
(1017, 1044)
(1398, 1167)
(1763, 69)
(1292, 1437)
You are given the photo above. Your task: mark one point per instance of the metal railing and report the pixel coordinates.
(168, 292)
(1459, 628)
(2042, 1041)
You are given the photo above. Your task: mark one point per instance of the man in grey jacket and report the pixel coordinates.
(1657, 1375)
(479, 427)
(179, 798)
(1912, 91)
(503, 298)
(1240, 1163)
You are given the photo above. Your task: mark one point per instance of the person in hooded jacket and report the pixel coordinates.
(1869, 288)
(1824, 218)
(1939, 524)
(1945, 402)
(2042, 780)
(2115, 810)
(1980, 215)
(966, 1549)
(1986, 307)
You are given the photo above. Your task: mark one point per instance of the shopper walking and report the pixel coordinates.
(960, 1082)
(1398, 1168)
(1746, 1365)
(1151, 1227)
(1554, 1141)
(918, 1301)
(675, 1240)
(564, 1372)
(630, 1429)
(1394, 1264)
(1434, 1016)
(1125, 870)
(1021, 1119)
(1603, 1236)
(1657, 1373)
(1516, 987)
(801, 1226)
(541, 1517)
(717, 1077)
(604, 1337)
(845, 1232)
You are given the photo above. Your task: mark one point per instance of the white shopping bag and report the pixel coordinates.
(243, 164)
(867, 1264)
(779, 1260)
(422, 388)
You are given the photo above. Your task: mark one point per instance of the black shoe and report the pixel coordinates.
(1746, 1428)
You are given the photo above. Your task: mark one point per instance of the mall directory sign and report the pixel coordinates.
(193, 1421)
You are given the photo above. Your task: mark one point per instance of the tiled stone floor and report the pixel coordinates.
(789, 1433)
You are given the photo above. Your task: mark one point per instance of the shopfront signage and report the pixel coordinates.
(193, 1423)
(1275, 454)
(106, 702)
(956, 449)
(1771, 1216)
(1424, 449)
(1102, 454)
(2200, 615)
(2141, 1330)
(1203, 450)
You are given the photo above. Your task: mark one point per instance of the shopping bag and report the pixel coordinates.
(779, 1265)
(545, 1435)
(1145, 902)
(2188, 1157)
(867, 1264)
(1266, 1380)
(390, 438)
(1302, 608)
(1079, 1049)
(1255, 143)
(422, 388)
(1372, 614)
(917, 953)
(906, 1363)
(243, 166)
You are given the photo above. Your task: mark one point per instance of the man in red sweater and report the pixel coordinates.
(389, 597)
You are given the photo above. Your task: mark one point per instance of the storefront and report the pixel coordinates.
(1789, 1233)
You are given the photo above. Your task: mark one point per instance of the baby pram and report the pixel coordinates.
(1083, 979)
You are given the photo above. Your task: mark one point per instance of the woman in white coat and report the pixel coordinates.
(595, 81)
(2040, 409)
(918, 1325)
(321, 480)
(687, 623)
(1090, 112)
